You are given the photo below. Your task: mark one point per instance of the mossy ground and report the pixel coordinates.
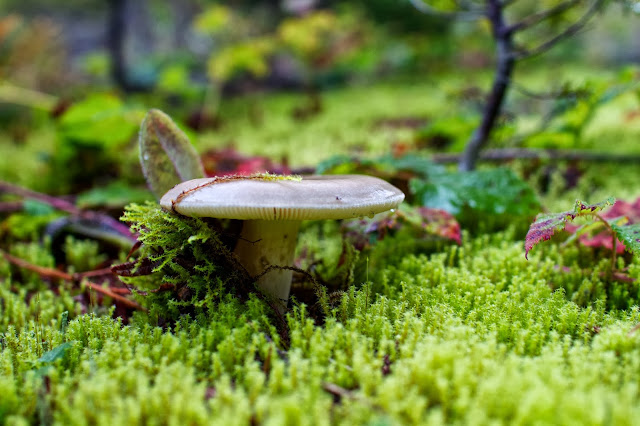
(475, 334)
(470, 334)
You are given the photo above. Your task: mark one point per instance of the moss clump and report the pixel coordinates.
(184, 265)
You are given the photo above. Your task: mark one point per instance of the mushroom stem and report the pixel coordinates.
(265, 243)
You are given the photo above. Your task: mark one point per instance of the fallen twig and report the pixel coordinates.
(68, 207)
(498, 155)
(79, 277)
(338, 392)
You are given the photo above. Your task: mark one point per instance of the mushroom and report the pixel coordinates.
(272, 208)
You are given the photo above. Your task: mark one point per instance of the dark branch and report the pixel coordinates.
(536, 18)
(568, 32)
(501, 80)
(116, 36)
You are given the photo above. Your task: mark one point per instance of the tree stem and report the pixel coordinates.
(504, 69)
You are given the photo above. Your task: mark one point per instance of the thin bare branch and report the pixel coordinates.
(548, 96)
(54, 202)
(568, 32)
(501, 80)
(536, 18)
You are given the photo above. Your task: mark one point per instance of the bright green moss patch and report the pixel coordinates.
(475, 334)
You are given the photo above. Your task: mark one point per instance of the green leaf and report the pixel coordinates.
(629, 235)
(37, 208)
(56, 353)
(100, 120)
(580, 208)
(481, 192)
(213, 20)
(114, 195)
(166, 155)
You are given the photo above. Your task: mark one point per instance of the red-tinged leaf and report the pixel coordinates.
(228, 161)
(623, 208)
(436, 222)
(601, 240)
(546, 225)
(422, 223)
(629, 212)
(583, 209)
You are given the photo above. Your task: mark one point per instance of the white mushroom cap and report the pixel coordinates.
(311, 198)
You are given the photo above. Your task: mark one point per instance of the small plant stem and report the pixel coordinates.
(614, 247)
(614, 244)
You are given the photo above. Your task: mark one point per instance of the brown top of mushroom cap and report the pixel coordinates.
(313, 197)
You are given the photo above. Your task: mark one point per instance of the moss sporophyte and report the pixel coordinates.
(272, 208)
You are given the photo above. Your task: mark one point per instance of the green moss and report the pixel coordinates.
(470, 334)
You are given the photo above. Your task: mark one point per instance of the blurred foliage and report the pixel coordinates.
(213, 20)
(239, 46)
(574, 108)
(32, 52)
(113, 196)
(101, 120)
(92, 135)
(318, 38)
(249, 57)
(399, 17)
